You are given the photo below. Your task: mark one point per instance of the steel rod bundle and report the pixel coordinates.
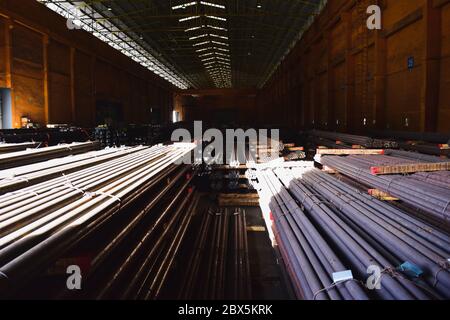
(323, 225)
(306, 253)
(13, 147)
(430, 149)
(413, 156)
(40, 222)
(419, 136)
(20, 158)
(401, 237)
(330, 143)
(430, 198)
(19, 177)
(219, 267)
(142, 273)
(440, 178)
(354, 139)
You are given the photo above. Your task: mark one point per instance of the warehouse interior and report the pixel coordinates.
(118, 182)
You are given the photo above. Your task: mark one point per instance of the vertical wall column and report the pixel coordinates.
(429, 104)
(315, 102)
(9, 66)
(94, 90)
(72, 84)
(331, 119)
(45, 43)
(8, 53)
(379, 104)
(349, 73)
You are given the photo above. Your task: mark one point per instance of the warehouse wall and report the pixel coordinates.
(342, 76)
(217, 105)
(59, 76)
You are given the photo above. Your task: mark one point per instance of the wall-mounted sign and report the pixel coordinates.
(411, 63)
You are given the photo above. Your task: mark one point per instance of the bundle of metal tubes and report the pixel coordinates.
(40, 223)
(431, 149)
(143, 272)
(219, 266)
(354, 139)
(324, 226)
(18, 177)
(407, 135)
(414, 156)
(416, 190)
(13, 147)
(437, 178)
(330, 144)
(20, 158)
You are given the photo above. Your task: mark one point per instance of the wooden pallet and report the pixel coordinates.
(345, 152)
(380, 195)
(296, 149)
(410, 168)
(238, 200)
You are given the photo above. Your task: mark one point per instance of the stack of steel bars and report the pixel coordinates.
(427, 148)
(152, 249)
(13, 147)
(408, 135)
(40, 223)
(324, 226)
(425, 142)
(354, 139)
(330, 144)
(21, 158)
(219, 267)
(19, 177)
(414, 156)
(429, 192)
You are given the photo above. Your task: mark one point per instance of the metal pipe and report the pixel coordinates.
(23, 257)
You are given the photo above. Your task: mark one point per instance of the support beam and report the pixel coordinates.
(45, 42)
(410, 168)
(9, 65)
(429, 104)
(8, 53)
(331, 116)
(94, 90)
(349, 74)
(72, 84)
(380, 81)
(346, 152)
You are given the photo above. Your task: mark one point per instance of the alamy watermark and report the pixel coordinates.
(231, 147)
(74, 280)
(75, 13)
(374, 20)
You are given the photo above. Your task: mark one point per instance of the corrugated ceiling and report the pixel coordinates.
(198, 44)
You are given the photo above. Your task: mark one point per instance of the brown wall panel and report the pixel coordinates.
(28, 99)
(403, 85)
(27, 75)
(365, 73)
(339, 95)
(3, 58)
(72, 72)
(60, 109)
(84, 89)
(59, 86)
(228, 105)
(27, 45)
(444, 101)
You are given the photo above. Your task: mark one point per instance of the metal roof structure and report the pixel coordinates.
(197, 44)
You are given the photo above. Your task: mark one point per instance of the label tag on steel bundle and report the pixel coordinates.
(410, 269)
(342, 276)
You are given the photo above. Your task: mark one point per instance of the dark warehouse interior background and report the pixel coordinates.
(339, 76)
(91, 91)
